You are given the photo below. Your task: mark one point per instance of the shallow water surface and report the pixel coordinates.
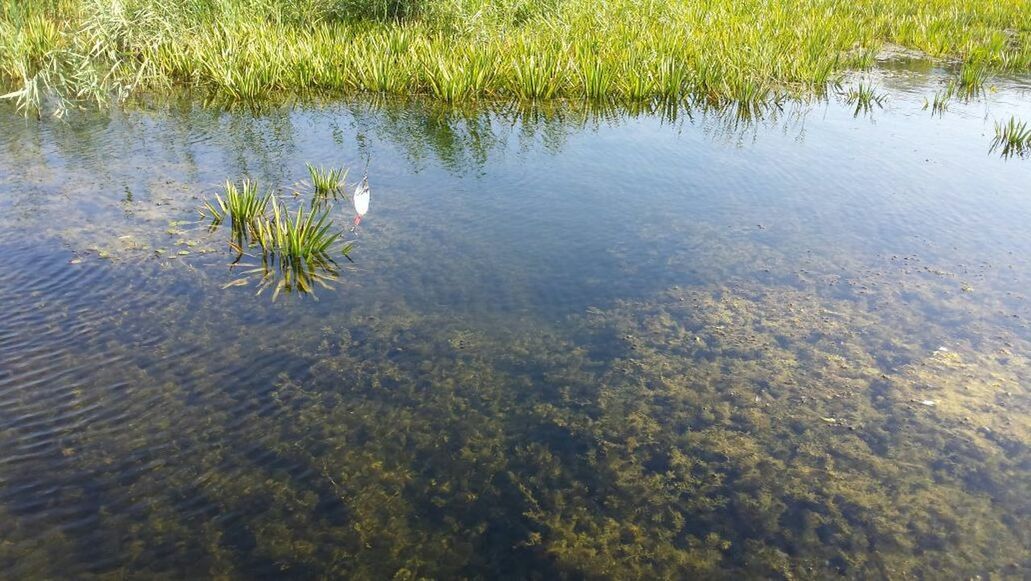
(570, 344)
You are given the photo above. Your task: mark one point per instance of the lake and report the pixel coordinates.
(568, 342)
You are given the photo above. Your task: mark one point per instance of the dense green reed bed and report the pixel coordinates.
(627, 50)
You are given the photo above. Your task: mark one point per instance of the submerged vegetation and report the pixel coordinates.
(1012, 138)
(702, 432)
(787, 406)
(58, 53)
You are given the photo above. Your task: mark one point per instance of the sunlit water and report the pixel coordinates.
(570, 344)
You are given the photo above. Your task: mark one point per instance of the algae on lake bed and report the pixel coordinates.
(704, 431)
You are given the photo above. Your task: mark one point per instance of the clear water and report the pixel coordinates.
(569, 345)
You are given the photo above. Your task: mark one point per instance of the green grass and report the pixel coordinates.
(243, 206)
(295, 247)
(56, 54)
(940, 102)
(1012, 138)
(864, 97)
(297, 235)
(326, 181)
(971, 81)
(296, 250)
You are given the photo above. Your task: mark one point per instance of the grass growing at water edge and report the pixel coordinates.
(56, 53)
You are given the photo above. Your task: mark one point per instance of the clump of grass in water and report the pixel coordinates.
(941, 100)
(1012, 138)
(972, 79)
(326, 182)
(298, 237)
(295, 247)
(244, 206)
(864, 97)
(968, 85)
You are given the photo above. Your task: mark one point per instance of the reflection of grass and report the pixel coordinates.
(287, 273)
(1012, 138)
(457, 51)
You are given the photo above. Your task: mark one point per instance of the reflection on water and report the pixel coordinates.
(284, 274)
(571, 345)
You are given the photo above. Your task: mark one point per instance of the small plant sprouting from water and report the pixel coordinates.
(864, 97)
(1012, 138)
(967, 86)
(326, 181)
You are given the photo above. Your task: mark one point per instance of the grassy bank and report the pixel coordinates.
(57, 53)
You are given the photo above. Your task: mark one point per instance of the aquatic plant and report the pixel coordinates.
(1012, 138)
(326, 182)
(285, 273)
(535, 75)
(971, 81)
(864, 97)
(294, 246)
(244, 206)
(941, 99)
(297, 236)
(596, 75)
(746, 431)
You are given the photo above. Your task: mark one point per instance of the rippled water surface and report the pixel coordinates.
(570, 344)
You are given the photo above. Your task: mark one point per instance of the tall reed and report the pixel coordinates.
(57, 54)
